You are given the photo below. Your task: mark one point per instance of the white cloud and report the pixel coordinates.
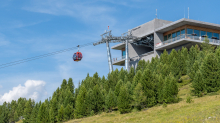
(34, 89)
(87, 11)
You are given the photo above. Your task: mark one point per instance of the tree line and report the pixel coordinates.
(153, 82)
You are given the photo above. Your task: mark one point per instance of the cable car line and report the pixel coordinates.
(41, 56)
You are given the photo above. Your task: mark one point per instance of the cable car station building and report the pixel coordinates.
(158, 35)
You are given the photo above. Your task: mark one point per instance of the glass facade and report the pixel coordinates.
(197, 32)
(192, 34)
(165, 38)
(189, 31)
(216, 35)
(209, 34)
(203, 33)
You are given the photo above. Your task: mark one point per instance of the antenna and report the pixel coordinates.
(188, 12)
(184, 12)
(156, 13)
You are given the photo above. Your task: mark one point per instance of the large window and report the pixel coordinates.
(209, 34)
(216, 35)
(203, 33)
(197, 32)
(182, 31)
(189, 31)
(169, 36)
(165, 37)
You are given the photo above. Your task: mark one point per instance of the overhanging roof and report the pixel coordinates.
(185, 21)
(118, 46)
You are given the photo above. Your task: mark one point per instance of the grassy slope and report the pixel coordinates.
(204, 109)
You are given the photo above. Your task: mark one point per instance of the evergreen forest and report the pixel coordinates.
(152, 83)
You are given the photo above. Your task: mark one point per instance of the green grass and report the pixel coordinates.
(204, 109)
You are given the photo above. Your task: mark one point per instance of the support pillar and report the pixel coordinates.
(126, 56)
(109, 57)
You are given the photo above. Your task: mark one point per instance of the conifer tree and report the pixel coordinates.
(148, 85)
(27, 111)
(53, 112)
(69, 112)
(131, 74)
(184, 58)
(124, 100)
(170, 89)
(117, 87)
(4, 118)
(110, 100)
(80, 109)
(139, 97)
(164, 59)
(71, 85)
(16, 116)
(89, 102)
(60, 116)
(34, 113)
(42, 114)
(159, 88)
(198, 84)
(64, 84)
(98, 99)
(136, 79)
(69, 99)
(141, 65)
(210, 71)
(174, 68)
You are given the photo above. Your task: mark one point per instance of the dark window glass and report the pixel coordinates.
(203, 33)
(178, 33)
(197, 32)
(216, 35)
(173, 35)
(189, 31)
(169, 36)
(182, 31)
(209, 34)
(165, 37)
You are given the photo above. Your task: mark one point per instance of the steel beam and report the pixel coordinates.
(109, 57)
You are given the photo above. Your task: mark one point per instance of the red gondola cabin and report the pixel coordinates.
(77, 56)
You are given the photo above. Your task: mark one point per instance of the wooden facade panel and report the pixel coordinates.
(123, 49)
(174, 30)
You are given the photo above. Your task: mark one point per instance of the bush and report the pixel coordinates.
(164, 105)
(189, 99)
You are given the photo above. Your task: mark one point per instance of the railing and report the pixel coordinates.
(118, 59)
(188, 36)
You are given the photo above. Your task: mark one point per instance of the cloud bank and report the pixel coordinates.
(34, 89)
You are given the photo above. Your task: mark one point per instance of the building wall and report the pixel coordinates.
(143, 29)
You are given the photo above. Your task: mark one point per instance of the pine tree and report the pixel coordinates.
(71, 85)
(4, 117)
(141, 65)
(136, 79)
(198, 84)
(64, 84)
(210, 71)
(89, 102)
(170, 89)
(124, 100)
(80, 109)
(98, 99)
(42, 114)
(174, 68)
(117, 87)
(111, 100)
(164, 58)
(159, 88)
(53, 110)
(131, 74)
(148, 87)
(69, 99)
(60, 116)
(139, 97)
(27, 111)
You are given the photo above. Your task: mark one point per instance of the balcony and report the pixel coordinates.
(184, 39)
(119, 61)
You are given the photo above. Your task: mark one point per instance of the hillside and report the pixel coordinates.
(203, 109)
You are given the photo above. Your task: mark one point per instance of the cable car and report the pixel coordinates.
(77, 56)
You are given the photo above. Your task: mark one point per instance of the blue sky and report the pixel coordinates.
(31, 28)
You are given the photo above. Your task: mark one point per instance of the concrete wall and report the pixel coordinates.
(134, 50)
(143, 29)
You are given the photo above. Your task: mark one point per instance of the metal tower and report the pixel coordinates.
(125, 38)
